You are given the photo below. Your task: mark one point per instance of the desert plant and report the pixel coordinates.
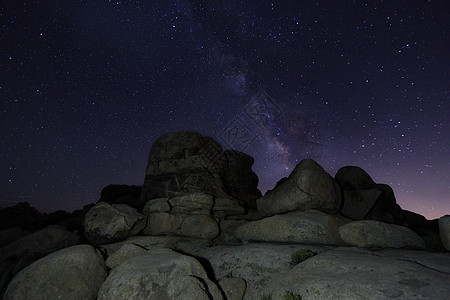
(301, 255)
(288, 295)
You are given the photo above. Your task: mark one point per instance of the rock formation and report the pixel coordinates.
(200, 229)
(308, 187)
(364, 199)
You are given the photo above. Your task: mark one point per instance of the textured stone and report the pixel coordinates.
(186, 162)
(307, 187)
(105, 223)
(369, 233)
(349, 273)
(156, 205)
(72, 273)
(234, 288)
(124, 253)
(309, 227)
(159, 274)
(22, 252)
(257, 264)
(197, 225)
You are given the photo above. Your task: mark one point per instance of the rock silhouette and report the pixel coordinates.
(199, 228)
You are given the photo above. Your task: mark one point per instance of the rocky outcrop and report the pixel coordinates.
(369, 234)
(308, 227)
(108, 223)
(192, 215)
(122, 194)
(17, 255)
(307, 187)
(349, 273)
(444, 231)
(186, 162)
(159, 274)
(364, 199)
(72, 273)
(199, 229)
(258, 264)
(238, 178)
(419, 223)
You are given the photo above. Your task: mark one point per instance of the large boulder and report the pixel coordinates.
(369, 233)
(419, 223)
(124, 253)
(352, 178)
(72, 273)
(307, 187)
(238, 178)
(349, 273)
(159, 274)
(122, 194)
(308, 227)
(444, 231)
(22, 252)
(108, 223)
(365, 199)
(186, 162)
(257, 264)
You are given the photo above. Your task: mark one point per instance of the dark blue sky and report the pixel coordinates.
(87, 86)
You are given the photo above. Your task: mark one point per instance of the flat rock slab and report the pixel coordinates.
(308, 227)
(351, 273)
(159, 274)
(257, 264)
(370, 233)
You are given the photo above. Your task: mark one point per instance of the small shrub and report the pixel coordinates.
(291, 296)
(301, 255)
(266, 297)
(433, 243)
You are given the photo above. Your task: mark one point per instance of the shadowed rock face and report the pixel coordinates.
(364, 199)
(307, 187)
(187, 162)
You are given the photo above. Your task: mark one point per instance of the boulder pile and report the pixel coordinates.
(199, 228)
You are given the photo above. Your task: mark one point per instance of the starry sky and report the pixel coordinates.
(86, 87)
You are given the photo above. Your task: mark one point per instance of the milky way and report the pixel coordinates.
(87, 87)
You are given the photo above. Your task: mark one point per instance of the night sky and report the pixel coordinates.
(87, 86)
